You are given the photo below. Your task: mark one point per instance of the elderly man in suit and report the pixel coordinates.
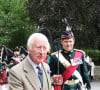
(32, 73)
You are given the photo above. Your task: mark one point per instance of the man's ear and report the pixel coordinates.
(28, 48)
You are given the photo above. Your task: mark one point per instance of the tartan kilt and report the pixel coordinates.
(71, 87)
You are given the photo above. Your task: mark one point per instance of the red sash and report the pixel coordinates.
(70, 70)
(57, 88)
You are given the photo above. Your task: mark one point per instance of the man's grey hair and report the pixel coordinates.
(30, 41)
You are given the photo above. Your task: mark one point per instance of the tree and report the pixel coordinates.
(83, 16)
(14, 23)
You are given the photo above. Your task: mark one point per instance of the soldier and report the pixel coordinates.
(3, 75)
(70, 63)
(16, 56)
(92, 69)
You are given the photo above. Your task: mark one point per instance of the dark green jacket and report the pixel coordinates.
(82, 69)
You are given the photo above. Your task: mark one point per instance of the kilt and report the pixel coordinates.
(71, 87)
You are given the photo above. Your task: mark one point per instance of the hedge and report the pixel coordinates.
(94, 54)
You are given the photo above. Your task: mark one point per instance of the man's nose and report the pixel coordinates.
(42, 50)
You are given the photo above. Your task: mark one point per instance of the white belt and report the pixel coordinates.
(71, 82)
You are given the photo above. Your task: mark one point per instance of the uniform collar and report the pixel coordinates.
(68, 51)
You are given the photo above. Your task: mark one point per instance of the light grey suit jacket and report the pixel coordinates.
(23, 77)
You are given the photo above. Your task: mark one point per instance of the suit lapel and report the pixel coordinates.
(45, 77)
(31, 75)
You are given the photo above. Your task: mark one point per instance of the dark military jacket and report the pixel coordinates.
(57, 67)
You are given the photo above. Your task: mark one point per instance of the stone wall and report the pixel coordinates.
(97, 73)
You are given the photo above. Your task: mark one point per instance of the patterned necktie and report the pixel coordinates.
(40, 75)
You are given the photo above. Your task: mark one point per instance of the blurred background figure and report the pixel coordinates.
(16, 51)
(92, 69)
(87, 62)
(16, 57)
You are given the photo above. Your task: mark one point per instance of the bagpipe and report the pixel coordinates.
(8, 60)
(7, 55)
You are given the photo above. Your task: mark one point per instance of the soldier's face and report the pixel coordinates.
(68, 44)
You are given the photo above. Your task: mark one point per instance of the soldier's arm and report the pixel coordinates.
(85, 74)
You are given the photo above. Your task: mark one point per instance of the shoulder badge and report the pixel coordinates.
(80, 51)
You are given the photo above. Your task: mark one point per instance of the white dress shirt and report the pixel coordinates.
(34, 65)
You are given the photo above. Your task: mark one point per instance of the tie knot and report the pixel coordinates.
(38, 67)
(39, 71)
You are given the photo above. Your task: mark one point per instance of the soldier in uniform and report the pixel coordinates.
(71, 65)
(3, 75)
(16, 56)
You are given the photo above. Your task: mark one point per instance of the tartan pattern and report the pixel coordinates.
(40, 75)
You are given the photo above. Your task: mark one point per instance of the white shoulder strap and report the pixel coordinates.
(62, 59)
(66, 63)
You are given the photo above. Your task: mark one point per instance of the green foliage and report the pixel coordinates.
(82, 15)
(94, 54)
(14, 23)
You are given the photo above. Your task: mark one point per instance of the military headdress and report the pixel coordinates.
(67, 34)
(16, 49)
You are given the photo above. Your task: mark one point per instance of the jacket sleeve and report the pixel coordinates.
(84, 74)
(14, 80)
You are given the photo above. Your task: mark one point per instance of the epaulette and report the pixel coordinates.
(54, 53)
(80, 51)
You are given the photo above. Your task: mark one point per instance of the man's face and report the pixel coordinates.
(39, 51)
(68, 44)
(16, 53)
